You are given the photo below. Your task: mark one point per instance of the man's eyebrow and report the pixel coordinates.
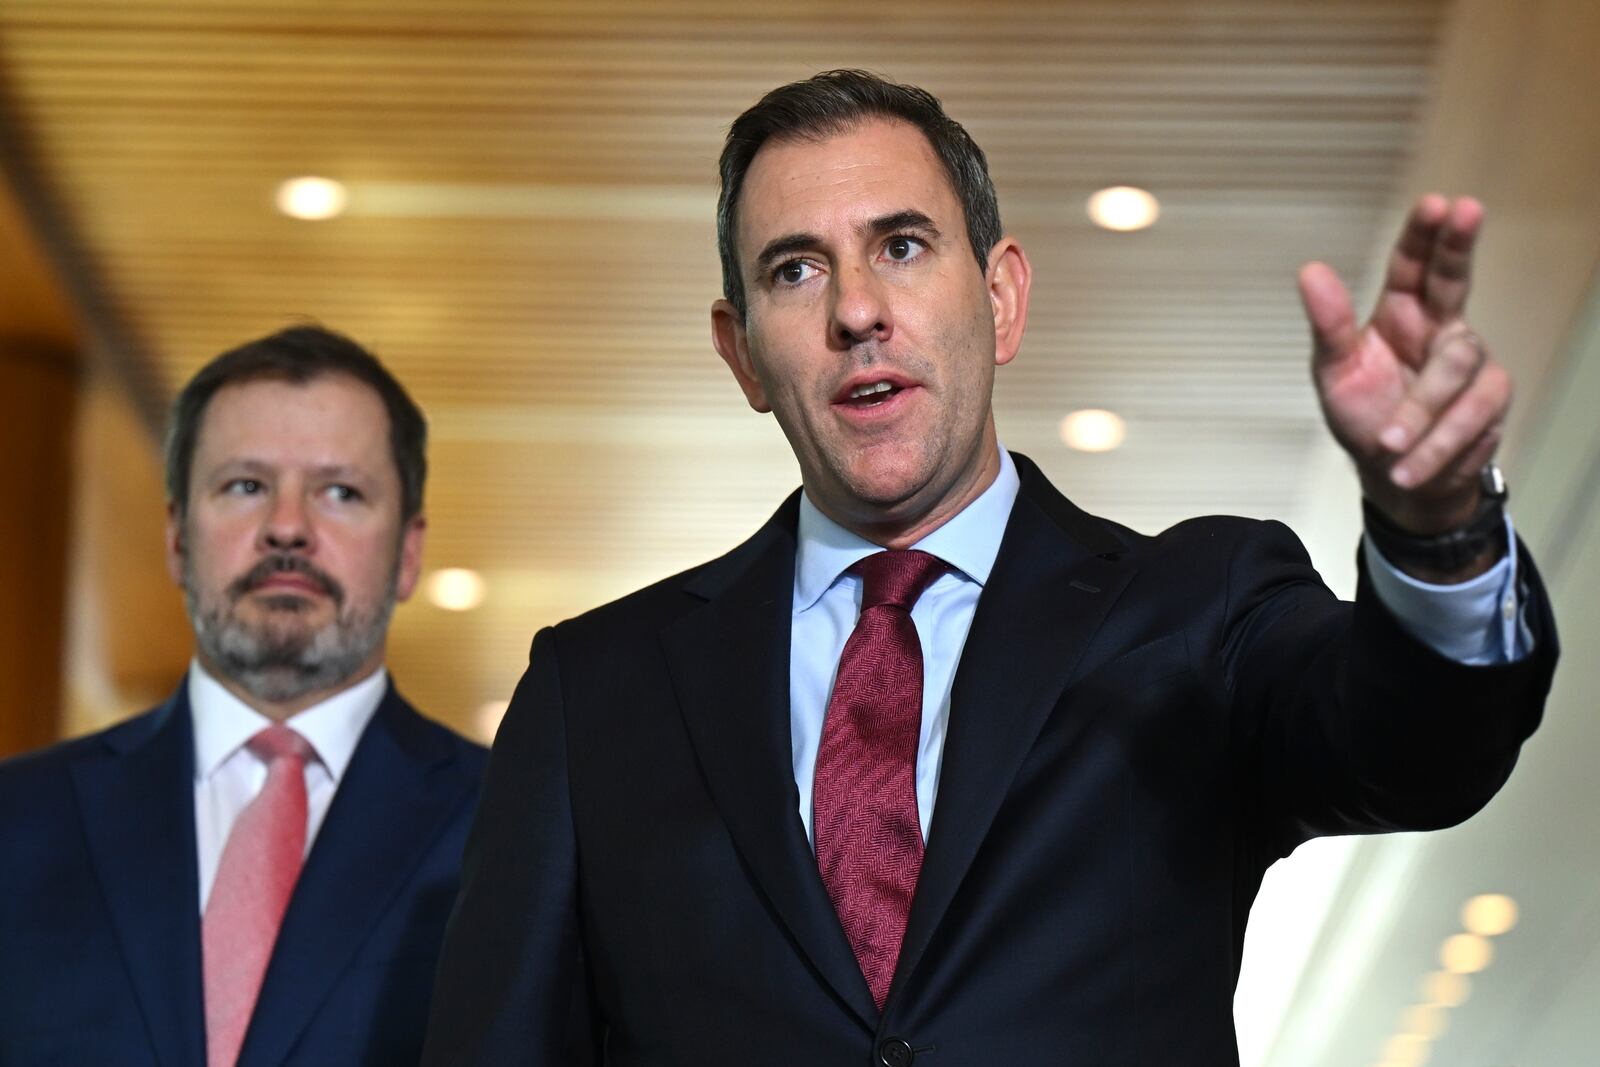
(338, 470)
(909, 219)
(249, 465)
(243, 465)
(782, 247)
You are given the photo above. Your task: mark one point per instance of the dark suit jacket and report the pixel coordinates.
(99, 901)
(1138, 727)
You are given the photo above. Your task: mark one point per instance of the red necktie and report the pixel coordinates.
(864, 795)
(255, 876)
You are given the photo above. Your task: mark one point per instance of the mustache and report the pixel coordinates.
(284, 563)
(873, 354)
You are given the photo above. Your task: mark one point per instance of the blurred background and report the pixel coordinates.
(516, 215)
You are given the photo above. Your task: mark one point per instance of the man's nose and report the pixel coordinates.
(860, 307)
(288, 524)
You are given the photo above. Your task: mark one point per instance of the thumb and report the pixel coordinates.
(1334, 332)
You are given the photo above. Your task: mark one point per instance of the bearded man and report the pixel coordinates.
(259, 870)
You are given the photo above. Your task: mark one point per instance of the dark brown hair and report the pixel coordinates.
(299, 354)
(830, 103)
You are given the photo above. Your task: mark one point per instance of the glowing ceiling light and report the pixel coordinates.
(1446, 989)
(1093, 430)
(456, 589)
(1425, 1020)
(1491, 914)
(1466, 953)
(1123, 208)
(312, 198)
(1406, 1050)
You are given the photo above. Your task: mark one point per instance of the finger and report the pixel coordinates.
(1334, 332)
(1402, 316)
(1450, 267)
(1408, 262)
(1479, 409)
(1467, 469)
(1455, 356)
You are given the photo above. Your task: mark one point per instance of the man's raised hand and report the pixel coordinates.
(1414, 395)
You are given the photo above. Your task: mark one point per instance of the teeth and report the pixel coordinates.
(868, 390)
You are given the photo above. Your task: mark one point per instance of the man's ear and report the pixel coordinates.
(409, 568)
(175, 548)
(1009, 277)
(733, 345)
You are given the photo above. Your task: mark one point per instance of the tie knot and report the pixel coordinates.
(279, 742)
(897, 577)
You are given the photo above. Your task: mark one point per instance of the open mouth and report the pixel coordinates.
(871, 394)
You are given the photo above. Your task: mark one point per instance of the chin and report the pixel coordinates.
(285, 624)
(883, 499)
(888, 477)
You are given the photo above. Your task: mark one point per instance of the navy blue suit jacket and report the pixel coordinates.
(99, 900)
(1138, 727)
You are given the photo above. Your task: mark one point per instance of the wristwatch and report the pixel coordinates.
(1452, 550)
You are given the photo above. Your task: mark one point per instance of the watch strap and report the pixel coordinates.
(1452, 550)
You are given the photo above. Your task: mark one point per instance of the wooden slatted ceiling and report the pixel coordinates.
(530, 243)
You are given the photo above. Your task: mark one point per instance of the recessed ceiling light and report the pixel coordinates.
(1466, 953)
(1447, 990)
(1491, 914)
(312, 198)
(1425, 1020)
(455, 589)
(1405, 1050)
(1093, 430)
(1123, 208)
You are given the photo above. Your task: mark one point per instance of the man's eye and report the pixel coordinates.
(794, 272)
(343, 492)
(901, 249)
(243, 487)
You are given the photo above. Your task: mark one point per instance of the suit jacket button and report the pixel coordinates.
(895, 1052)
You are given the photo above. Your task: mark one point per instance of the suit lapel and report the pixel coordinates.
(137, 803)
(730, 669)
(386, 814)
(1054, 581)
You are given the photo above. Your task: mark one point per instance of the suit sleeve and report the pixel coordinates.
(1347, 722)
(511, 985)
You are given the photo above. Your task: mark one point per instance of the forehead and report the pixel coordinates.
(877, 167)
(330, 419)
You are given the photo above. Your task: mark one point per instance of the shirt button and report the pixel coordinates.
(1510, 609)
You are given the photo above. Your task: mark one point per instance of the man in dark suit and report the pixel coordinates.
(259, 870)
(937, 767)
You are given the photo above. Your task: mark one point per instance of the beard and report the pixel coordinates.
(283, 657)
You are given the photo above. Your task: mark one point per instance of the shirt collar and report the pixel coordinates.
(223, 722)
(969, 541)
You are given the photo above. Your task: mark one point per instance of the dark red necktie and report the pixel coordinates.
(864, 794)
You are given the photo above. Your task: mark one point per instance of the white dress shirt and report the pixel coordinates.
(1471, 623)
(227, 775)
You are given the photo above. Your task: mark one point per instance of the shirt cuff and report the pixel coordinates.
(1476, 622)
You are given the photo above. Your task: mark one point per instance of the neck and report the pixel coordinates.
(283, 710)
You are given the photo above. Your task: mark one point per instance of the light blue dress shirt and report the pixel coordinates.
(1474, 622)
